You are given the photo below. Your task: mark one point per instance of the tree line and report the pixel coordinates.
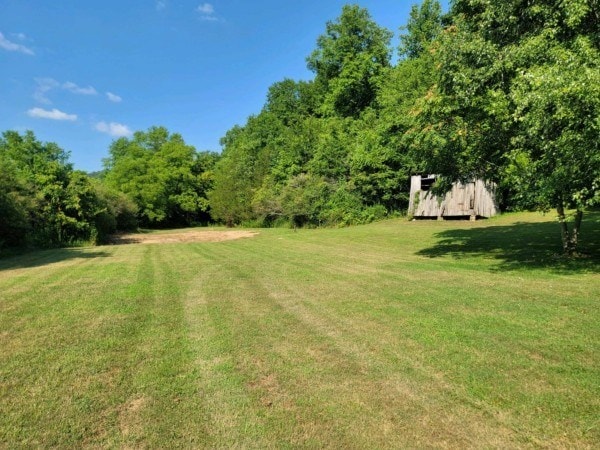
(504, 91)
(153, 179)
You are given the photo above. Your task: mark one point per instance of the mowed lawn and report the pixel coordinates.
(396, 334)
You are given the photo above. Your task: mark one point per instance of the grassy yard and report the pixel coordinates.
(396, 334)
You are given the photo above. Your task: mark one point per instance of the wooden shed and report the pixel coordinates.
(465, 200)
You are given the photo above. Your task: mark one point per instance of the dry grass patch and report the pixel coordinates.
(181, 237)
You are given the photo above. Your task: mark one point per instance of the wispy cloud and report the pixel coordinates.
(160, 5)
(53, 114)
(13, 47)
(114, 129)
(19, 36)
(206, 8)
(207, 12)
(43, 86)
(113, 97)
(73, 88)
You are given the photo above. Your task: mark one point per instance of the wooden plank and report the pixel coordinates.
(472, 199)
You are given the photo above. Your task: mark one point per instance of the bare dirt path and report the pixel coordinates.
(181, 236)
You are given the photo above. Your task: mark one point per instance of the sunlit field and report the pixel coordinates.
(395, 334)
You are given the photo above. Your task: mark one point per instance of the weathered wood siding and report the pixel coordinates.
(474, 199)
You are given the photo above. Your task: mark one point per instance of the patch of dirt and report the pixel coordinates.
(130, 421)
(181, 236)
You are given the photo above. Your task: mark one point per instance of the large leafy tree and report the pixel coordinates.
(167, 179)
(556, 154)
(348, 60)
(517, 102)
(323, 136)
(293, 101)
(423, 27)
(400, 89)
(249, 155)
(44, 202)
(15, 205)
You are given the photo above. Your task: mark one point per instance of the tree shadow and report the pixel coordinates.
(522, 245)
(37, 258)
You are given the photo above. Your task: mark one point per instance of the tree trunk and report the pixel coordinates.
(564, 228)
(576, 228)
(570, 238)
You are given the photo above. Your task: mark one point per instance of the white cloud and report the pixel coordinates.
(206, 8)
(160, 5)
(20, 36)
(12, 47)
(113, 97)
(207, 12)
(54, 114)
(73, 88)
(114, 129)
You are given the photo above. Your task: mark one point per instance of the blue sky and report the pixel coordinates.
(82, 73)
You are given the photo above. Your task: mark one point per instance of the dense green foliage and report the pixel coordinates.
(331, 150)
(166, 178)
(153, 179)
(517, 101)
(348, 59)
(423, 27)
(504, 91)
(44, 202)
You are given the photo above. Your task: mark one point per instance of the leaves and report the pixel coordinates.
(349, 56)
(423, 27)
(44, 202)
(167, 179)
(517, 101)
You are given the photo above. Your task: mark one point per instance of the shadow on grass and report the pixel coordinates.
(522, 246)
(37, 258)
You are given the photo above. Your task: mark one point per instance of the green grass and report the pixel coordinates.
(396, 334)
